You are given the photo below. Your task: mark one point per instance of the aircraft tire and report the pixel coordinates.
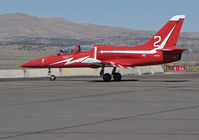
(52, 77)
(117, 77)
(107, 77)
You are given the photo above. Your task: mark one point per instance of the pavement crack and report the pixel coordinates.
(102, 121)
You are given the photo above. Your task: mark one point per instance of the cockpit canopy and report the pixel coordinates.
(73, 49)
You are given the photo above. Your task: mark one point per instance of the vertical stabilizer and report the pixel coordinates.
(168, 35)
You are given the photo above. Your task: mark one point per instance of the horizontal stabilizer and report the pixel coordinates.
(169, 50)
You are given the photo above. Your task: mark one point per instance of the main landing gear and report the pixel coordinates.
(50, 75)
(107, 77)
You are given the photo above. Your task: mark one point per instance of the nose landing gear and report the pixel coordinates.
(50, 75)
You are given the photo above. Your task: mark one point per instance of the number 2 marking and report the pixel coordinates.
(155, 43)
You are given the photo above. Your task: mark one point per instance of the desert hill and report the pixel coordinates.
(25, 37)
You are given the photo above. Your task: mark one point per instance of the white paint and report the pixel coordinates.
(120, 66)
(159, 40)
(177, 17)
(70, 61)
(76, 60)
(130, 52)
(112, 64)
(91, 61)
(66, 60)
(95, 53)
(166, 39)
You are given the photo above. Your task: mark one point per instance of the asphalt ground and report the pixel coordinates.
(149, 107)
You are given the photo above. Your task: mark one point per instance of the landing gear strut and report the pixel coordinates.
(116, 75)
(107, 77)
(50, 75)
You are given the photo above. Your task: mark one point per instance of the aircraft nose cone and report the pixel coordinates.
(24, 65)
(34, 63)
(28, 64)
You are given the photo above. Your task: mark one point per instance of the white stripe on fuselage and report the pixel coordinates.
(95, 53)
(76, 60)
(66, 60)
(70, 61)
(131, 52)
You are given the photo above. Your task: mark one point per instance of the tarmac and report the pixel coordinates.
(148, 107)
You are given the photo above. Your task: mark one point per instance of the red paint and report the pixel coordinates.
(178, 68)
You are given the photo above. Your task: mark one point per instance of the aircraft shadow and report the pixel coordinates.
(143, 80)
(91, 80)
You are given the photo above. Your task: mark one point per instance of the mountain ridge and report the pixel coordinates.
(24, 38)
(20, 25)
(27, 31)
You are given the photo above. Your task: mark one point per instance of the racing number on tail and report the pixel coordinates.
(158, 38)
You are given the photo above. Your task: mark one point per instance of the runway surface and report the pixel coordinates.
(141, 107)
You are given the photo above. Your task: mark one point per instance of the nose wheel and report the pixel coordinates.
(51, 76)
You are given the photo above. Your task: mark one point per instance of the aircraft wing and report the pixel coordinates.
(115, 63)
(121, 63)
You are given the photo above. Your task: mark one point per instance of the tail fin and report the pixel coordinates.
(167, 36)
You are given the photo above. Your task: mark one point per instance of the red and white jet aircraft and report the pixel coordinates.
(160, 49)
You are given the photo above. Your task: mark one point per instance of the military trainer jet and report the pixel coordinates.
(160, 49)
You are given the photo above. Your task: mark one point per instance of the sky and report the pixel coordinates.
(132, 14)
